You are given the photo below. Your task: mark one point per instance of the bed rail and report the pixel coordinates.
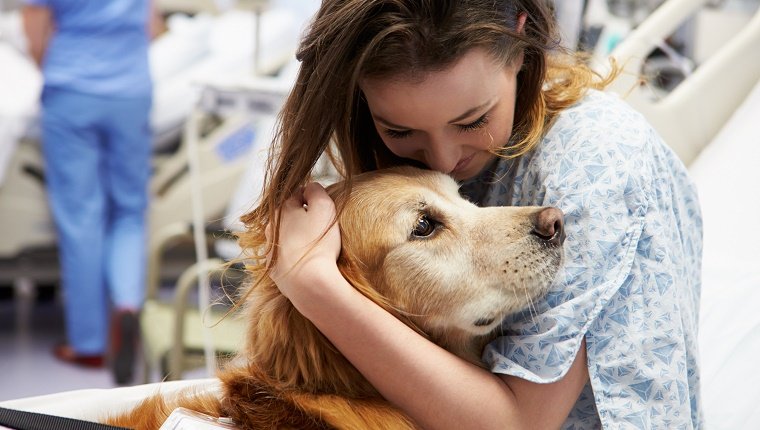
(692, 114)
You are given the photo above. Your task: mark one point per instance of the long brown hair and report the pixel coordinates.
(352, 39)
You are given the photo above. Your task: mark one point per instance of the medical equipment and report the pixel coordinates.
(228, 97)
(692, 114)
(172, 328)
(193, 50)
(185, 419)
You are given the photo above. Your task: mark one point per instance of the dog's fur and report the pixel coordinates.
(454, 286)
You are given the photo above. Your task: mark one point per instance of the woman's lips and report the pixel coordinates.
(462, 164)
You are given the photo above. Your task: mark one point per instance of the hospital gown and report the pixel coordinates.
(631, 277)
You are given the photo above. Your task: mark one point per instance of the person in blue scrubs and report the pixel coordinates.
(96, 142)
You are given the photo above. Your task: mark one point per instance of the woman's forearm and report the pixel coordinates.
(438, 389)
(156, 24)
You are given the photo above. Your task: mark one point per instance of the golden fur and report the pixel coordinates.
(453, 285)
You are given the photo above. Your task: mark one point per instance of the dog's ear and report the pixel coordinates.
(349, 266)
(340, 192)
(352, 270)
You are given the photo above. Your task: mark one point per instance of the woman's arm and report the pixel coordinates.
(156, 25)
(38, 25)
(438, 389)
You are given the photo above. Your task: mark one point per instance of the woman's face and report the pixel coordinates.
(449, 119)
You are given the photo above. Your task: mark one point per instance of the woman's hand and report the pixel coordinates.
(306, 259)
(38, 27)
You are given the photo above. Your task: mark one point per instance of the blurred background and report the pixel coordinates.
(222, 68)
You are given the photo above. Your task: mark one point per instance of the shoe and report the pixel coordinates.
(64, 352)
(124, 332)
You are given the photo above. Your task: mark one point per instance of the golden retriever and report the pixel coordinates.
(445, 267)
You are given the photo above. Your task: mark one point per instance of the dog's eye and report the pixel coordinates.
(424, 227)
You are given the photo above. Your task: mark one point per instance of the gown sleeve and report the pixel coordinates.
(631, 273)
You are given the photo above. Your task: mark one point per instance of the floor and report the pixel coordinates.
(31, 323)
(26, 362)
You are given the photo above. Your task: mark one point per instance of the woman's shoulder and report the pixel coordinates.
(599, 147)
(603, 118)
(600, 130)
(601, 152)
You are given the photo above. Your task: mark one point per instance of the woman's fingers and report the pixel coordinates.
(312, 195)
(304, 218)
(314, 192)
(295, 201)
(308, 239)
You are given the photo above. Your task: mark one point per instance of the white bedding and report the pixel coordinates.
(96, 404)
(194, 50)
(727, 174)
(20, 84)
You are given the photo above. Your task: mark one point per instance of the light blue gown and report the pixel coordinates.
(632, 274)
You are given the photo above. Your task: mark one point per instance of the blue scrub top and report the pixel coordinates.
(99, 47)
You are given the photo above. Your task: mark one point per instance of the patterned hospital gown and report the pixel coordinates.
(631, 279)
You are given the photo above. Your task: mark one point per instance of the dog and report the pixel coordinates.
(450, 270)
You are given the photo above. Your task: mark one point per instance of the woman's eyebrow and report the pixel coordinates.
(469, 112)
(388, 124)
(464, 115)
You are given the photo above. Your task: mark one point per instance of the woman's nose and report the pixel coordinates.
(441, 156)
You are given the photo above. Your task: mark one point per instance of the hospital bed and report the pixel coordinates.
(189, 63)
(193, 51)
(692, 114)
(201, 60)
(723, 158)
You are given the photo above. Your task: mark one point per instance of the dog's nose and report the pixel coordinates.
(548, 226)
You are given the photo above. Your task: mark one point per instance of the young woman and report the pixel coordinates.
(479, 89)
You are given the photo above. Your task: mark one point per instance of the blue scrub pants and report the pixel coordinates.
(97, 163)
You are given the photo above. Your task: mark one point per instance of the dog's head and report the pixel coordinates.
(445, 267)
(442, 261)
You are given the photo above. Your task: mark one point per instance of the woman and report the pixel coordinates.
(479, 89)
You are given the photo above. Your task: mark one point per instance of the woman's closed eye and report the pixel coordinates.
(397, 134)
(477, 124)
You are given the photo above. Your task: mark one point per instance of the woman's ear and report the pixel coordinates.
(521, 18)
(518, 63)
